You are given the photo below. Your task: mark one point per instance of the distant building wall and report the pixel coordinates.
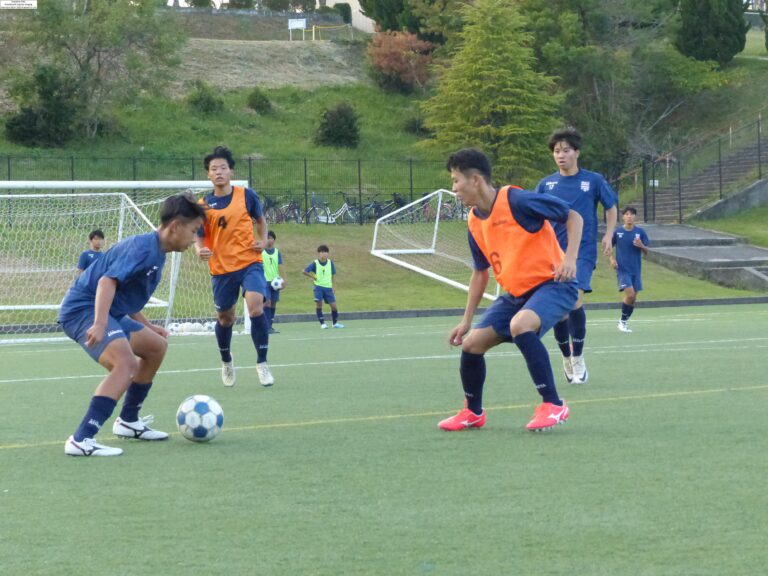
(358, 20)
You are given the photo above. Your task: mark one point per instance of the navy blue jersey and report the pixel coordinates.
(581, 192)
(137, 265)
(530, 210)
(87, 258)
(629, 256)
(252, 204)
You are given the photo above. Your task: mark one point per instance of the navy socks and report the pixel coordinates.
(99, 411)
(626, 311)
(224, 339)
(260, 336)
(472, 370)
(539, 367)
(134, 398)
(563, 337)
(578, 325)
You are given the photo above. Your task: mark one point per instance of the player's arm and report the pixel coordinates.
(639, 244)
(309, 271)
(281, 273)
(141, 319)
(614, 263)
(260, 237)
(477, 284)
(567, 269)
(609, 200)
(203, 252)
(105, 294)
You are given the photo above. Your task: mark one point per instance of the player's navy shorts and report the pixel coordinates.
(584, 270)
(226, 287)
(629, 281)
(324, 294)
(272, 294)
(550, 302)
(76, 327)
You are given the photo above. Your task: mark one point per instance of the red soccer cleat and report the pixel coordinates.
(463, 420)
(548, 415)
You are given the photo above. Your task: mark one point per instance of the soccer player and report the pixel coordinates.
(581, 190)
(233, 252)
(102, 312)
(323, 273)
(96, 241)
(509, 230)
(273, 268)
(631, 243)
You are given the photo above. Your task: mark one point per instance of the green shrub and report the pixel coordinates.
(345, 10)
(240, 4)
(415, 125)
(204, 99)
(339, 127)
(258, 102)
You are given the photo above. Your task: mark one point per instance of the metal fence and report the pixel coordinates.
(370, 187)
(672, 187)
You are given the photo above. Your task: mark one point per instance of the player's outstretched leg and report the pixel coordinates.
(578, 327)
(552, 410)
(224, 341)
(472, 371)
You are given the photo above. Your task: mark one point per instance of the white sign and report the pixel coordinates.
(297, 24)
(18, 4)
(654, 183)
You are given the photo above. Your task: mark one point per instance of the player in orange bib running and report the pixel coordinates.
(509, 231)
(227, 242)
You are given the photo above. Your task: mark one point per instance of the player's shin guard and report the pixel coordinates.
(472, 370)
(539, 367)
(626, 311)
(563, 337)
(99, 411)
(260, 336)
(224, 340)
(577, 321)
(134, 398)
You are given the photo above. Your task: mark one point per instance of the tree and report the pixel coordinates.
(112, 50)
(712, 29)
(491, 97)
(399, 61)
(390, 14)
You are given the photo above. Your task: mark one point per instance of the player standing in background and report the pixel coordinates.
(582, 190)
(102, 313)
(323, 273)
(631, 243)
(273, 268)
(510, 231)
(233, 252)
(88, 257)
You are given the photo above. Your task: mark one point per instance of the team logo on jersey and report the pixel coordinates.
(620, 234)
(584, 186)
(150, 272)
(551, 185)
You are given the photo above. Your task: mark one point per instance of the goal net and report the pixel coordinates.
(43, 232)
(429, 236)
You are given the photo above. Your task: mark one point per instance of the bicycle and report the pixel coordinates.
(291, 212)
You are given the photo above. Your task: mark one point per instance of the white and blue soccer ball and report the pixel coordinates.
(277, 283)
(200, 418)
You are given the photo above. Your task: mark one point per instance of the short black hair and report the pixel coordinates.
(469, 159)
(631, 209)
(570, 135)
(272, 235)
(322, 248)
(220, 152)
(182, 207)
(96, 234)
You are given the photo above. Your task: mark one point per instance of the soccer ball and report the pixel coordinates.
(277, 283)
(200, 418)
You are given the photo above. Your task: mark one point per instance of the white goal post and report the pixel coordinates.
(429, 236)
(43, 232)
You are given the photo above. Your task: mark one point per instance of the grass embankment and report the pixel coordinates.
(750, 224)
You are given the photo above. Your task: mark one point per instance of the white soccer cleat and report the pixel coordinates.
(138, 429)
(89, 447)
(228, 373)
(580, 374)
(265, 376)
(568, 368)
(324, 326)
(623, 326)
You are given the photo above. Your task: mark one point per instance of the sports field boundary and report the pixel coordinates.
(431, 313)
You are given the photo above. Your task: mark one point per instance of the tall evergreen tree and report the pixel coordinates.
(491, 97)
(712, 29)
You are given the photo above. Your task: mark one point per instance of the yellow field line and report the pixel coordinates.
(435, 413)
